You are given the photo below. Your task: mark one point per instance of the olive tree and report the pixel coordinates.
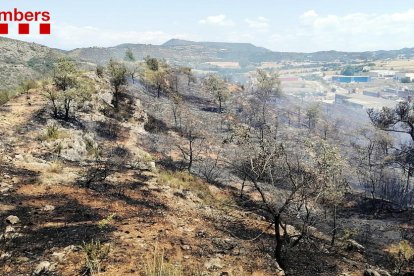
(215, 86)
(157, 75)
(65, 74)
(75, 96)
(117, 77)
(131, 64)
(68, 89)
(151, 63)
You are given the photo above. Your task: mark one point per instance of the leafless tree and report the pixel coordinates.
(287, 178)
(192, 138)
(265, 89)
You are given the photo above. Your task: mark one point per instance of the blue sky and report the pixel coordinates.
(296, 25)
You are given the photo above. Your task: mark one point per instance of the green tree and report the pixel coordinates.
(152, 63)
(348, 71)
(117, 77)
(129, 56)
(66, 87)
(158, 75)
(76, 95)
(216, 86)
(65, 74)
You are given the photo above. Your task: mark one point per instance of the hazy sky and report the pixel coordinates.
(296, 25)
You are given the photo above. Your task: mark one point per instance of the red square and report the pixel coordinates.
(44, 28)
(24, 28)
(4, 28)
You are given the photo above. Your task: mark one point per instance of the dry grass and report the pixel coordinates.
(53, 133)
(56, 167)
(397, 64)
(402, 254)
(106, 222)
(158, 266)
(95, 254)
(186, 181)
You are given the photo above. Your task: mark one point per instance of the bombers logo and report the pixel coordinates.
(24, 20)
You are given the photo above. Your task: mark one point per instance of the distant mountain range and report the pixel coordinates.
(22, 60)
(195, 53)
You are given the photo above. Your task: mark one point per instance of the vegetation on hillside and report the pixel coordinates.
(100, 167)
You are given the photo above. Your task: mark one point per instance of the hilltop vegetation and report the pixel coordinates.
(21, 61)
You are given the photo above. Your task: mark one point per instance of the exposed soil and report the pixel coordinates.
(202, 232)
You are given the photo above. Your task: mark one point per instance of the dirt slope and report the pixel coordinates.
(150, 209)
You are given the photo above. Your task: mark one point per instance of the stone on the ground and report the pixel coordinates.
(185, 247)
(42, 268)
(9, 229)
(61, 255)
(12, 220)
(48, 208)
(213, 264)
(58, 256)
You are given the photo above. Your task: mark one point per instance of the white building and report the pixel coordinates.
(383, 73)
(409, 75)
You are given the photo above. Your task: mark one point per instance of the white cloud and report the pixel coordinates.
(350, 32)
(261, 23)
(217, 20)
(309, 14)
(67, 37)
(312, 31)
